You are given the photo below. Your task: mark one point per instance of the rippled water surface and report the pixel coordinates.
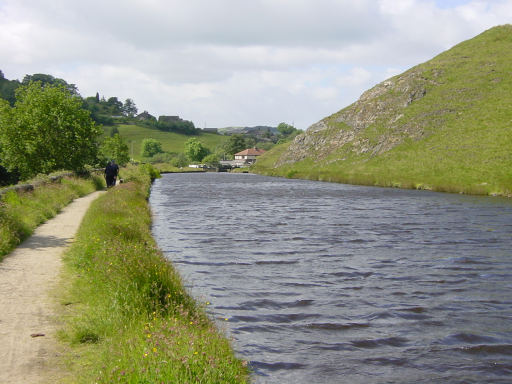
(329, 283)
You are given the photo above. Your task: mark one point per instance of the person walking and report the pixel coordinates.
(111, 172)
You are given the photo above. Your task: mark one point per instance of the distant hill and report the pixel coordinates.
(444, 125)
(259, 129)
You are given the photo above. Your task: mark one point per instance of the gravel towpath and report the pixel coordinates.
(28, 322)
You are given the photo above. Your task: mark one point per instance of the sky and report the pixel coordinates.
(226, 63)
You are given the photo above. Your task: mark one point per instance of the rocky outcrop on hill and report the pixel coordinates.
(444, 125)
(380, 108)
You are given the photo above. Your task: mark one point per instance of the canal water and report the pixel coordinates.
(331, 283)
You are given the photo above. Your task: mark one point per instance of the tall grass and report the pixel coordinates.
(22, 212)
(128, 315)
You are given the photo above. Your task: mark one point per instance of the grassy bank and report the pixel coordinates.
(127, 316)
(409, 173)
(21, 212)
(444, 125)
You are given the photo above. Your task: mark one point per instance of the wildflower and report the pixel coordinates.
(145, 355)
(154, 350)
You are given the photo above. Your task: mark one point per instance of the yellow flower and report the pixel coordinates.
(154, 350)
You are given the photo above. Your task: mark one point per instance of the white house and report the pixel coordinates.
(248, 156)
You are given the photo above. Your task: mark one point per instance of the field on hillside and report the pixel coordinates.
(171, 142)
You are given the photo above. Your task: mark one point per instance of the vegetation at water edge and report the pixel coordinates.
(127, 316)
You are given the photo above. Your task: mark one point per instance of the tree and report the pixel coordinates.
(235, 144)
(49, 79)
(179, 161)
(150, 147)
(286, 129)
(8, 88)
(211, 160)
(112, 131)
(46, 130)
(129, 108)
(195, 150)
(116, 106)
(114, 148)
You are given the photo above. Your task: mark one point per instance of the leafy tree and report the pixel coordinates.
(116, 106)
(235, 144)
(112, 131)
(180, 161)
(113, 148)
(286, 129)
(212, 160)
(178, 125)
(8, 88)
(46, 130)
(49, 79)
(150, 147)
(195, 150)
(129, 108)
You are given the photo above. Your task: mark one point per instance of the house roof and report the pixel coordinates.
(251, 152)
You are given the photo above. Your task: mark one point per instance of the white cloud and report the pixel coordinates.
(231, 62)
(355, 77)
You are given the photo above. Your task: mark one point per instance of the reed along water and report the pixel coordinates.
(331, 283)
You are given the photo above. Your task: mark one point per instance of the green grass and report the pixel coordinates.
(462, 127)
(22, 212)
(127, 316)
(173, 142)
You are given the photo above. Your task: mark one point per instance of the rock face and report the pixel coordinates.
(380, 108)
(445, 125)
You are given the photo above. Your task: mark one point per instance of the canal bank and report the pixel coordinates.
(127, 315)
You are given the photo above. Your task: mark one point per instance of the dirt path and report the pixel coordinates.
(26, 310)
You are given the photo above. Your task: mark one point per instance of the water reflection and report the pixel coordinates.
(329, 283)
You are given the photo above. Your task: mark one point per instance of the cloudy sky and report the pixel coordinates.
(234, 62)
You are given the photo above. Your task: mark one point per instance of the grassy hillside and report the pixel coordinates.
(171, 141)
(443, 125)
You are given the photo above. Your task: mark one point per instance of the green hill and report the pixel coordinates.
(133, 135)
(444, 125)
